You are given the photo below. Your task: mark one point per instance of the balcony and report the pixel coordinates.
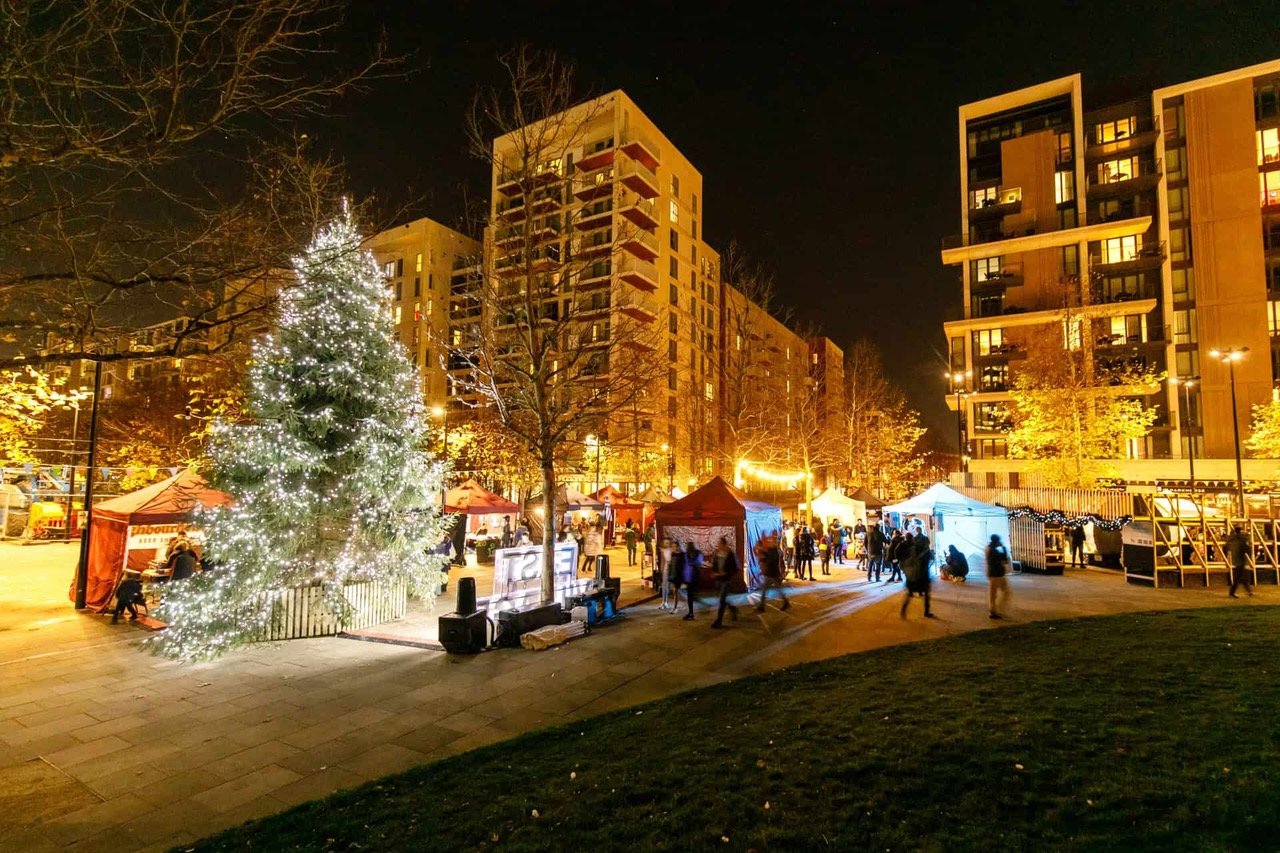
(598, 244)
(642, 244)
(597, 155)
(640, 148)
(1009, 275)
(1124, 181)
(1143, 135)
(595, 215)
(536, 232)
(639, 178)
(639, 274)
(1006, 201)
(513, 210)
(516, 181)
(641, 212)
(540, 260)
(594, 185)
(1125, 260)
(599, 274)
(636, 310)
(597, 305)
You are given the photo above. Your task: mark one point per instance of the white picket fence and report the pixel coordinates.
(301, 612)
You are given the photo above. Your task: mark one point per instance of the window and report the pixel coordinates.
(1067, 218)
(984, 197)
(1064, 187)
(674, 239)
(398, 291)
(417, 312)
(675, 186)
(1268, 145)
(1064, 148)
(1266, 99)
(1269, 188)
(693, 254)
(1184, 285)
(417, 286)
(400, 266)
(1110, 131)
(1131, 329)
(1273, 318)
(989, 341)
(988, 269)
(1120, 249)
(1179, 199)
(389, 269)
(397, 315)
(1184, 326)
(737, 342)
(673, 294)
(673, 267)
(430, 304)
(957, 353)
(693, 229)
(674, 212)
(1175, 120)
(1173, 164)
(1070, 260)
(430, 282)
(417, 264)
(1072, 334)
(708, 391)
(994, 377)
(672, 353)
(1118, 170)
(693, 205)
(1179, 244)
(671, 378)
(991, 417)
(673, 323)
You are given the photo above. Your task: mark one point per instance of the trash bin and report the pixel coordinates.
(602, 566)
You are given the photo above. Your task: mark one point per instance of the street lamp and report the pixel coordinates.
(671, 467)
(443, 414)
(958, 381)
(1229, 357)
(594, 440)
(73, 399)
(1186, 423)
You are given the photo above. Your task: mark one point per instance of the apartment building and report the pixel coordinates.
(418, 260)
(1144, 232)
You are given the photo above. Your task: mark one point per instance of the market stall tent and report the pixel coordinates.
(832, 504)
(952, 518)
(129, 531)
(622, 509)
(483, 508)
(869, 500)
(714, 510)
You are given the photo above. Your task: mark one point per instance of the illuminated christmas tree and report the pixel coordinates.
(330, 481)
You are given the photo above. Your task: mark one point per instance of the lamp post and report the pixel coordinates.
(82, 567)
(1229, 357)
(958, 380)
(671, 467)
(1186, 423)
(443, 414)
(74, 399)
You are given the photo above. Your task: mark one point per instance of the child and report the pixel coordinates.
(824, 551)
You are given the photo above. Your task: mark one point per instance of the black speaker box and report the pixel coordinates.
(461, 634)
(513, 623)
(466, 597)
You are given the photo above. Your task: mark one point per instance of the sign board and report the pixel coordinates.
(156, 537)
(517, 577)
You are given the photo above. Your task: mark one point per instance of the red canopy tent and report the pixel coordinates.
(128, 531)
(481, 507)
(714, 510)
(621, 510)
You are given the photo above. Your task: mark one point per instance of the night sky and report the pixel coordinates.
(826, 136)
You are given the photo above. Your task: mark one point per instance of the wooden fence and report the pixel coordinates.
(1108, 504)
(301, 612)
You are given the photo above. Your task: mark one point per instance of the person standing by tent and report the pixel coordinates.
(916, 568)
(824, 553)
(804, 553)
(690, 573)
(724, 564)
(997, 583)
(629, 537)
(1237, 548)
(900, 549)
(592, 543)
(770, 557)
(1075, 541)
(875, 552)
(666, 551)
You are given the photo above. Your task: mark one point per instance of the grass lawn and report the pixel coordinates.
(1154, 731)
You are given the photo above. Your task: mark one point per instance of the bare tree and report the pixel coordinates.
(149, 168)
(555, 345)
(752, 426)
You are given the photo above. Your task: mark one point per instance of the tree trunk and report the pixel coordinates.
(549, 530)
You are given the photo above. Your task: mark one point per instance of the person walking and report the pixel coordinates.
(875, 552)
(770, 557)
(690, 573)
(789, 544)
(900, 549)
(674, 575)
(629, 536)
(916, 568)
(1237, 548)
(724, 566)
(997, 583)
(592, 544)
(666, 551)
(804, 553)
(840, 542)
(1075, 540)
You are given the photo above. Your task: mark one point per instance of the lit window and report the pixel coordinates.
(1064, 187)
(1071, 334)
(988, 269)
(1111, 131)
(1269, 188)
(989, 341)
(389, 269)
(417, 265)
(397, 315)
(1120, 249)
(985, 197)
(1273, 318)
(709, 391)
(1118, 170)
(417, 311)
(1184, 326)
(1268, 145)
(429, 306)
(675, 211)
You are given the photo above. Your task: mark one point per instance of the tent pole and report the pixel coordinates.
(82, 568)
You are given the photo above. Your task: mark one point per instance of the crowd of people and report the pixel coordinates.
(886, 554)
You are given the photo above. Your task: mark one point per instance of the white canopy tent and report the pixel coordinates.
(832, 504)
(956, 519)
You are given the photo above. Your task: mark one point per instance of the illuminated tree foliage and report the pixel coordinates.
(1072, 411)
(882, 433)
(25, 396)
(1264, 428)
(329, 480)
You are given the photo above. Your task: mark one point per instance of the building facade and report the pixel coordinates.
(1145, 232)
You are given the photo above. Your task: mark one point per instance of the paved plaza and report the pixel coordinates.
(104, 747)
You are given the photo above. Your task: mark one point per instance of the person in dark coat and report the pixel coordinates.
(997, 583)
(1237, 548)
(804, 553)
(182, 564)
(724, 565)
(770, 556)
(689, 575)
(1075, 540)
(957, 563)
(875, 552)
(900, 549)
(915, 566)
(128, 595)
